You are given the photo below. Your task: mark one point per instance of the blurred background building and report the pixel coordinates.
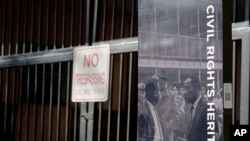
(169, 45)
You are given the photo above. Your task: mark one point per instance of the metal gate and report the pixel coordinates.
(236, 62)
(37, 40)
(240, 61)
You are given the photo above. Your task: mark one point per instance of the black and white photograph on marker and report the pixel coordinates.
(180, 85)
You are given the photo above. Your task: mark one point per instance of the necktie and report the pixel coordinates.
(190, 119)
(191, 113)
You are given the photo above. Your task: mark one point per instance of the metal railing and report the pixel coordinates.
(117, 46)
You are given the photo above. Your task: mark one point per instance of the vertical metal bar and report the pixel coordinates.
(35, 105)
(95, 21)
(71, 45)
(36, 71)
(10, 32)
(66, 124)
(32, 31)
(120, 76)
(44, 68)
(27, 105)
(52, 75)
(39, 24)
(111, 65)
(21, 72)
(110, 95)
(32, 26)
(72, 22)
(100, 104)
(234, 11)
(50, 102)
(129, 92)
(80, 25)
(132, 18)
(87, 22)
(7, 76)
(122, 19)
(28, 76)
(6, 102)
(42, 110)
(130, 71)
(244, 84)
(51, 92)
(17, 27)
(111, 72)
(68, 76)
(67, 101)
(75, 118)
(59, 76)
(43, 77)
(35, 90)
(83, 122)
(233, 80)
(104, 20)
(63, 23)
(58, 98)
(3, 28)
(58, 102)
(119, 98)
(55, 22)
(2, 49)
(113, 20)
(91, 106)
(14, 73)
(99, 121)
(47, 31)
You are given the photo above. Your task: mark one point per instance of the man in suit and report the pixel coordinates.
(197, 126)
(169, 111)
(149, 126)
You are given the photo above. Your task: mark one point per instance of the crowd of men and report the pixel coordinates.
(175, 112)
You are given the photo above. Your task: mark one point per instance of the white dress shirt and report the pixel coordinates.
(158, 136)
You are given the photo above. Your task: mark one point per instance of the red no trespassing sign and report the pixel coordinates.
(90, 74)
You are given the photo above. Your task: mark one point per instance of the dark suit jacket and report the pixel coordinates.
(197, 131)
(146, 127)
